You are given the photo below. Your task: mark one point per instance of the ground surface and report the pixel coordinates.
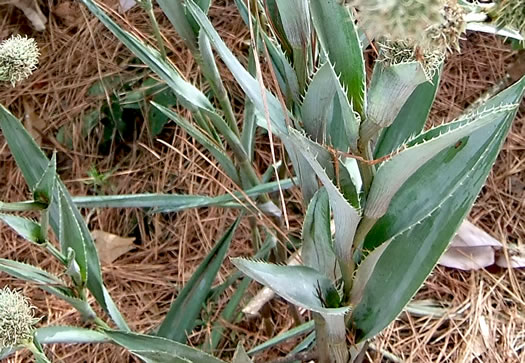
(77, 51)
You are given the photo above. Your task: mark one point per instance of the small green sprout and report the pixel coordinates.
(17, 320)
(18, 58)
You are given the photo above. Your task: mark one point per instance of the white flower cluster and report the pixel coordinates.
(16, 319)
(18, 58)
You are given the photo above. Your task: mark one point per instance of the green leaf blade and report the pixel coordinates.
(339, 37)
(180, 319)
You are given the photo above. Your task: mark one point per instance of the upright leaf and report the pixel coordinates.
(410, 121)
(70, 235)
(180, 319)
(413, 252)
(45, 188)
(338, 34)
(390, 88)
(441, 176)
(392, 174)
(318, 103)
(346, 217)
(317, 250)
(247, 82)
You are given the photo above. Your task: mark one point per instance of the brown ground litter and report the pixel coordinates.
(77, 51)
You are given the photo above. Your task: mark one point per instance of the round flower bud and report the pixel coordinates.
(16, 319)
(18, 58)
(398, 19)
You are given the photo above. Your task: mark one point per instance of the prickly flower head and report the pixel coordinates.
(511, 13)
(397, 52)
(398, 19)
(16, 319)
(18, 58)
(447, 33)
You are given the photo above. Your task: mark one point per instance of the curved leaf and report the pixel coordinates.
(412, 254)
(26, 228)
(68, 335)
(183, 312)
(299, 285)
(337, 32)
(33, 163)
(442, 175)
(148, 345)
(393, 173)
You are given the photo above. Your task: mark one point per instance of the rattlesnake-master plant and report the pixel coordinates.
(394, 193)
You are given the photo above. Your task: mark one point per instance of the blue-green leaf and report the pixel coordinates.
(183, 312)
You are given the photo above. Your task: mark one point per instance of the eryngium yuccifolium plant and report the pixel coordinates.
(511, 13)
(17, 320)
(398, 19)
(18, 58)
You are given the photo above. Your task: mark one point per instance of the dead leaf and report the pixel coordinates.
(111, 246)
(125, 5)
(516, 256)
(471, 249)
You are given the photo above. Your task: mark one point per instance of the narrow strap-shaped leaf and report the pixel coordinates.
(33, 163)
(289, 334)
(392, 174)
(441, 176)
(343, 127)
(413, 253)
(411, 120)
(295, 18)
(26, 228)
(147, 343)
(191, 97)
(285, 74)
(247, 82)
(175, 203)
(69, 335)
(337, 32)
(317, 251)
(299, 285)
(180, 319)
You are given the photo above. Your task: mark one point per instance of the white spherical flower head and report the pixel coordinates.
(18, 58)
(16, 319)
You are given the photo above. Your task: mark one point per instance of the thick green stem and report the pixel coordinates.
(367, 170)
(330, 332)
